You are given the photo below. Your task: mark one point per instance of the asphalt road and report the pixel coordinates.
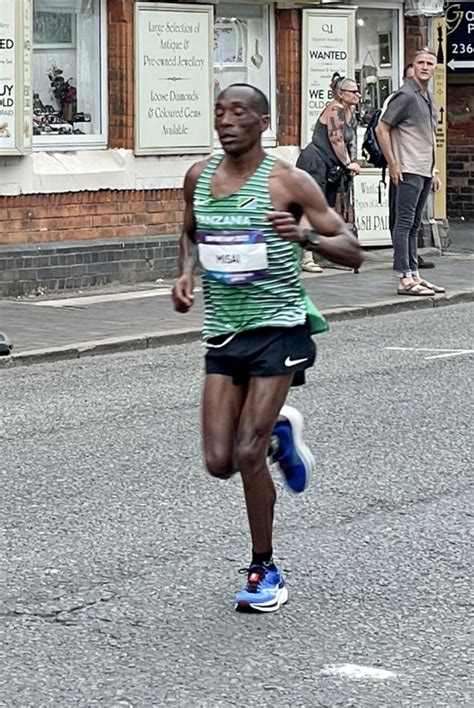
(122, 555)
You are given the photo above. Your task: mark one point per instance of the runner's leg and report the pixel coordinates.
(222, 403)
(264, 399)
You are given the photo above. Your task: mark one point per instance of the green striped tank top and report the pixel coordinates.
(250, 276)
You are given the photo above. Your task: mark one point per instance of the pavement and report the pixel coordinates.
(121, 555)
(121, 318)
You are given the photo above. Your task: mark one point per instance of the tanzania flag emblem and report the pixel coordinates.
(248, 203)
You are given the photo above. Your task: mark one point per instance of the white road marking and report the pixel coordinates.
(445, 353)
(458, 353)
(86, 300)
(355, 671)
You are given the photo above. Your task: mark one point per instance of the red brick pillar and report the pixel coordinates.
(416, 35)
(120, 68)
(288, 76)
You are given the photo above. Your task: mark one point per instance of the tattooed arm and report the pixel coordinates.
(335, 122)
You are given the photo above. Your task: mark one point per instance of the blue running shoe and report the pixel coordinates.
(293, 456)
(265, 590)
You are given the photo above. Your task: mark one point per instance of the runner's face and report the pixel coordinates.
(237, 121)
(424, 66)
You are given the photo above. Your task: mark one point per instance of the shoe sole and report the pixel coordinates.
(281, 599)
(296, 421)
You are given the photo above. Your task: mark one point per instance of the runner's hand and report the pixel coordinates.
(286, 226)
(182, 293)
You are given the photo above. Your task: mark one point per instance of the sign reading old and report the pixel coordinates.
(173, 78)
(328, 46)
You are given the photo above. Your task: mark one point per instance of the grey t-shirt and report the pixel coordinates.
(412, 116)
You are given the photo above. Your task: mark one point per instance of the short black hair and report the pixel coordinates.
(407, 68)
(260, 101)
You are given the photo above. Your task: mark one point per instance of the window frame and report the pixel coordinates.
(269, 137)
(400, 45)
(71, 143)
(398, 55)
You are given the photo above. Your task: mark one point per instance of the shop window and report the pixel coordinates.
(377, 61)
(68, 80)
(244, 51)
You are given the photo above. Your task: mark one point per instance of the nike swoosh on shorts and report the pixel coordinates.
(293, 362)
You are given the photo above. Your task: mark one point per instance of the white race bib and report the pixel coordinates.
(233, 256)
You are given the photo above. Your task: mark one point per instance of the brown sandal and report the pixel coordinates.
(434, 288)
(415, 289)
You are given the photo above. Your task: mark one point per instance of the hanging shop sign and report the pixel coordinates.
(15, 77)
(371, 209)
(460, 32)
(173, 78)
(328, 46)
(439, 94)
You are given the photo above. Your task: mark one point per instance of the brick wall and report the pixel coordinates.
(460, 192)
(38, 268)
(288, 76)
(416, 36)
(89, 215)
(120, 73)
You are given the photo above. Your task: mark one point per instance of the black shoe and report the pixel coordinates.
(425, 264)
(5, 344)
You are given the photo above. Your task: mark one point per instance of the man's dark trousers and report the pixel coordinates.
(407, 201)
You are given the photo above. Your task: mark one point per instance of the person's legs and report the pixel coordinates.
(392, 207)
(414, 258)
(308, 263)
(408, 193)
(407, 196)
(222, 403)
(239, 422)
(413, 236)
(265, 398)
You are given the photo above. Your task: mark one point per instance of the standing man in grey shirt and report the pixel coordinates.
(406, 134)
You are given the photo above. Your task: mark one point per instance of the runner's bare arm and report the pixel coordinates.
(336, 243)
(182, 292)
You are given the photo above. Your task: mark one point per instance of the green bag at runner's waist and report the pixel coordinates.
(317, 321)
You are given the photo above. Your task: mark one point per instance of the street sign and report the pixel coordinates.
(453, 65)
(460, 31)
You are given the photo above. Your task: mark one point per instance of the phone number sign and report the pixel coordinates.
(460, 35)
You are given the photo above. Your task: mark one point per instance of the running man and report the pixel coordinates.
(240, 221)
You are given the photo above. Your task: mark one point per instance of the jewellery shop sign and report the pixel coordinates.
(173, 78)
(460, 36)
(15, 77)
(328, 46)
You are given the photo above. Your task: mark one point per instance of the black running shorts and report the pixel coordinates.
(267, 351)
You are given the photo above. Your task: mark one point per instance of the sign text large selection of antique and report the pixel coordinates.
(173, 78)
